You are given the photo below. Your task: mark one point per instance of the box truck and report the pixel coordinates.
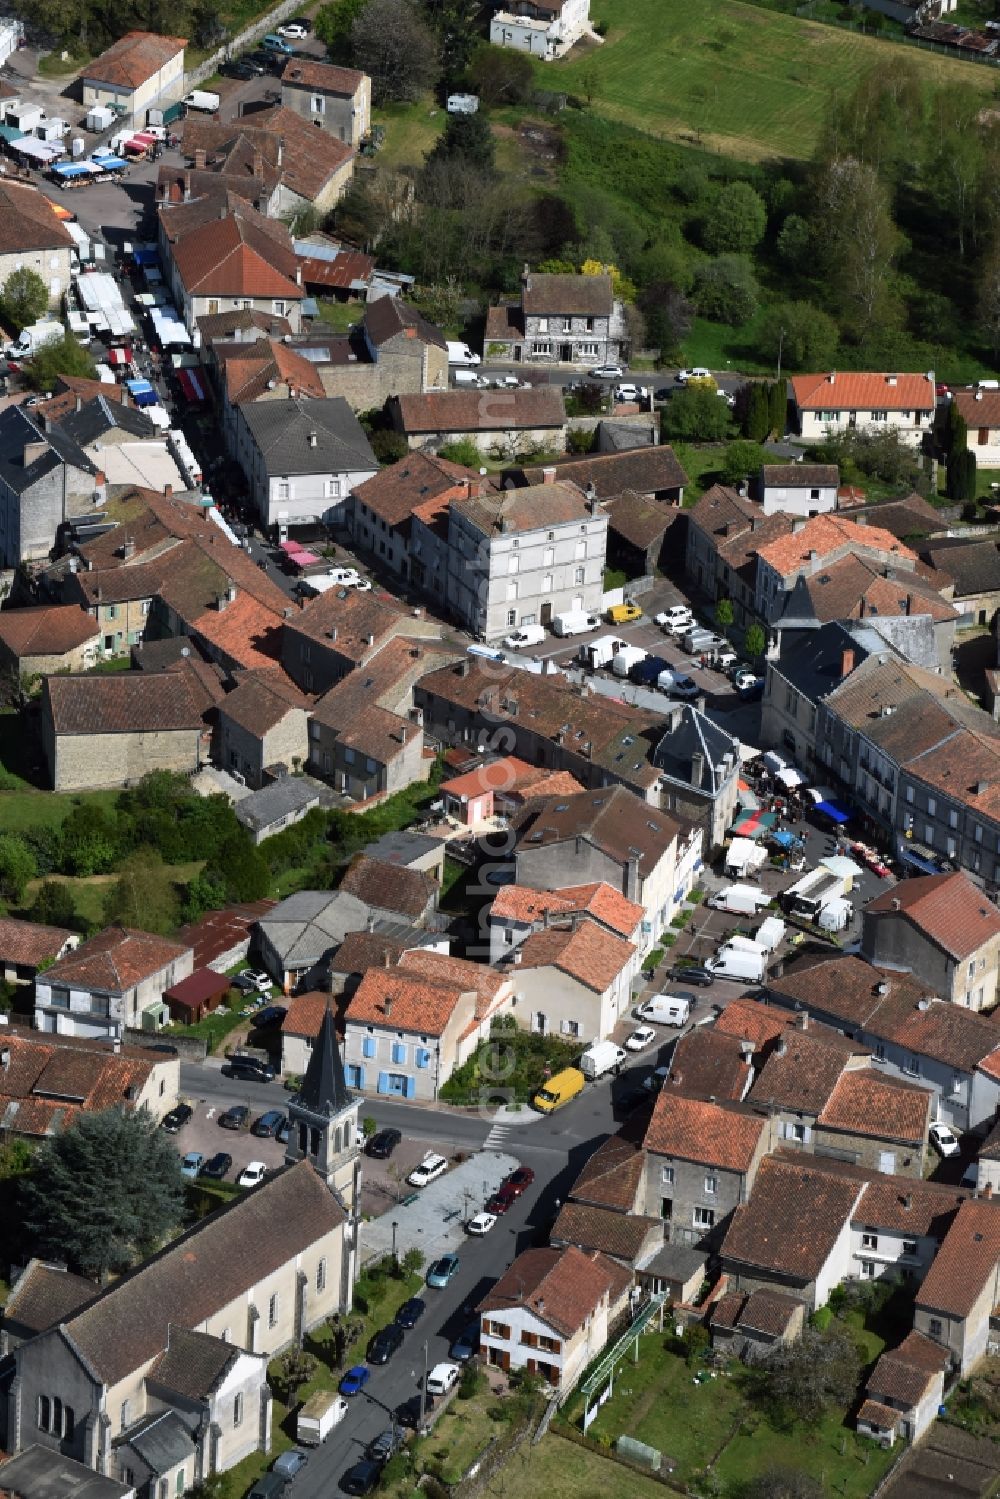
(459, 353)
(600, 652)
(34, 337)
(808, 896)
(742, 900)
(602, 1057)
(737, 963)
(625, 660)
(318, 1416)
(201, 100)
(574, 622)
(559, 1090)
(770, 934)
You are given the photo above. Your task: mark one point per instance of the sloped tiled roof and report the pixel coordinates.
(846, 391)
(903, 1374)
(707, 1063)
(133, 59)
(612, 1176)
(482, 410)
(391, 887)
(231, 255)
(967, 1262)
(49, 630)
(864, 1102)
(947, 908)
(804, 1068)
(585, 952)
(28, 221)
(323, 77)
(520, 510)
(621, 1235)
(404, 1000)
(45, 1295)
(127, 703)
(562, 1287)
(28, 943)
(792, 1221)
(708, 1133)
(115, 960)
(193, 1363)
(826, 535)
(304, 1014)
(442, 968)
(551, 293)
(642, 470)
(394, 491)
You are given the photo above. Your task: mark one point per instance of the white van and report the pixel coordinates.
(469, 377)
(738, 963)
(665, 1009)
(459, 353)
(526, 635)
(575, 622)
(203, 101)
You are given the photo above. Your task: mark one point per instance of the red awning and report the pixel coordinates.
(191, 384)
(305, 559)
(119, 356)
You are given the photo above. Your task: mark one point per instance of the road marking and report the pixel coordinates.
(496, 1136)
(210, 1112)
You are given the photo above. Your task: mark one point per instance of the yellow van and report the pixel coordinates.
(559, 1090)
(624, 614)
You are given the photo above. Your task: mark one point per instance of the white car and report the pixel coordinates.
(743, 680)
(676, 617)
(363, 585)
(253, 1174)
(253, 981)
(430, 1168)
(442, 1378)
(944, 1139)
(685, 687)
(698, 373)
(641, 1038)
(606, 372)
(631, 393)
(481, 1224)
(293, 32)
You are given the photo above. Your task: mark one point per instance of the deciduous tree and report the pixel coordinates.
(725, 616)
(755, 641)
(144, 895)
(25, 297)
(500, 76)
(820, 1370)
(64, 357)
(104, 1192)
(695, 415)
(804, 336)
(396, 49)
(725, 290)
(741, 460)
(736, 220)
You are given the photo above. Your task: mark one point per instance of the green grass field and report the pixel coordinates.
(410, 131)
(732, 77)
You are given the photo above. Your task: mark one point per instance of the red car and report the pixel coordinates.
(502, 1200)
(518, 1181)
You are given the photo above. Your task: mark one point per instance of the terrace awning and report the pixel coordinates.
(192, 386)
(753, 824)
(835, 811)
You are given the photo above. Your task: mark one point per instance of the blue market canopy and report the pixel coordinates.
(835, 811)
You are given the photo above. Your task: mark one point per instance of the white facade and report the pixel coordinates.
(293, 499)
(516, 1338)
(161, 89)
(799, 499)
(543, 36)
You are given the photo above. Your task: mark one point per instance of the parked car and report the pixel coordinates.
(412, 1411)
(258, 66)
(269, 1486)
(466, 1345)
(290, 1463)
(442, 1378)
(362, 1478)
(249, 1069)
(268, 1124)
(355, 1380)
(410, 1312)
(944, 1139)
(293, 31)
(702, 977)
(743, 678)
(683, 686)
(383, 1144)
(502, 1201)
(237, 68)
(443, 1271)
(270, 1016)
(385, 1445)
(177, 1118)
(253, 1174)
(698, 373)
(252, 981)
(431, 1167)
(520, 1179)
(641, 1038)
(386, 1342)
(238, 1117)
(481, 1224)
(630, 392)
(606, 372)
(191, 1164)
(218, 1166)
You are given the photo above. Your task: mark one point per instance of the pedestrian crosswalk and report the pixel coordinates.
(497, 1137)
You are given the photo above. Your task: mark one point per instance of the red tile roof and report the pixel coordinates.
(233, 256)
(497, 775)
(826, 535)
(948, 908)
(709, 1064)
(28, 943)
(304, 1014)
(129, 703)
(803, 1069)
(404, 1001)
(133, 59)
(391, 887)
(601, 901)
(586, 952)
(980, 408)
(561, 1287)
(613, 1175)
(47, 631)
(904, 1374)
(967, 1263)
(49, 1080)
(792, 1221)
(753, 1021)
(708, 1133)
(482, 410)
(847, 391)
(322, 77)
(442, 968)
(115, 960)
(866, 1103)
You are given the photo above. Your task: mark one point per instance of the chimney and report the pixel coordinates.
(200, 160)
(128, 548)
(331, 633)
(312, 435)
(526, 277)
(979, 395)
(33, 451)
(831, 378)
(168, 490)
(697, 768)
(988, 1190)
(369, 639)
(231, 592)
(846, 661)
(387, 1005)
(798, 525)
(781, 1049)
(908, 1201)
(298, 275)
(548, 475)
(632, 877)
(258, 163)
(5, 1058)
(402, 733)
(116, 1045)
(186, 192)
(890, 379)
(464, 668)
(79, 403)
(281, 149)
(803, 1021)
(100, 488)
(897, 904)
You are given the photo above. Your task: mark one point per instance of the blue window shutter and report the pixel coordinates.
(383, 1082)
(398, 1052)
(411, 1086)
(423, 1057)
(361, 1077)
(368, 1046)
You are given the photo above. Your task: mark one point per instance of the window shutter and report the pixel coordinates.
(411, 1086)
(383, 1082)
(368, 1046)
(423, 1057)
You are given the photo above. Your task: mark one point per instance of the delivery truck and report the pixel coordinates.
(740, 964)
(202, 101)
(625, 660)
(34, 337)
(770, 934)
(742, 900)
(559, 1090)
(602, 1057)
(461, 354)
(665, 1009)
(318, 1416)
(600, 652)
(574, 622)
(807, 897)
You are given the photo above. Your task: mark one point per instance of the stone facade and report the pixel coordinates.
(323, 96)
(284, 743)
(89, 762)
(30, 517)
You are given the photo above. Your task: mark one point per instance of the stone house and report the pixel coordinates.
(698, 765)
(962, 1287)
(878, 1122)
(277, 806)
(140, 72)
(573, 979)
(942, 927)
(109, 983)
(508, 424)
(392, 891)
(338, 100)
(61, 637)
(108, 731)
(186, 1338)
(263, 724)
(748, 1325)
(811, 547)
(631, 1241)
(368, 754)
(408, 1027)
(346, 631)
(904, 1391)
(794, 1234)
(32, 235)
(701, 1161)
(798, 488)
(725, 531)
(44, 478)
(551, 1313)
(270, 158)
(302, 458)
(383, 507)
(560, 319)
(230, 257)
(840, 401)
(969, 570)
(46, 1082)
(25, 945)
(652, 472)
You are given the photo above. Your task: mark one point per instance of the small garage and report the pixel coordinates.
(198, 995)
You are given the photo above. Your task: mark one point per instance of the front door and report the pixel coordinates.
(545, 614)
(566, 353)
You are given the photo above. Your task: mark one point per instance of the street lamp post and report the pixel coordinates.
(781, 345)
(395, 1261)
(423, 1391)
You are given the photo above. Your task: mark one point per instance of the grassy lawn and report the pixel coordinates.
(340, 316)
(701, 464)
(719, 347)
(410, 131)
(559, 1469)
(89, 891)
(530, 1054)
(844, 1463)
(735, 78)
(214, 1029)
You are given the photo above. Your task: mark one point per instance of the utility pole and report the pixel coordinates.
(423, 1392)
(781, 345)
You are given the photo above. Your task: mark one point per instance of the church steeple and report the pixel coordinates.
(323, 1116)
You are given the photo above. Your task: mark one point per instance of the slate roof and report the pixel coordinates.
(101, 415)
(125, 703)
(282, 431)
(193, 1362)
(390, 887)
(689, 732)
(17, 433)
(481, 410)
(562, 1287)
(846, 391)
(115, 960)
(324, 1092)
(947, 908)
(38, 1472)
(220, 1259)
(585, 952)
(47, 630)
(966, 1263)
(283, 798)
(708, 1133)
(28, 943)
(792, 1221)
(619, 1235)
(162, 1440)
(44, 1296)
(645, 470)
(582, 296)
(133, 59)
